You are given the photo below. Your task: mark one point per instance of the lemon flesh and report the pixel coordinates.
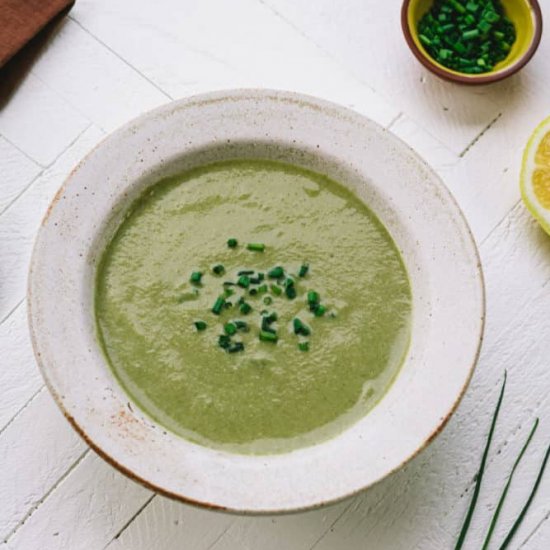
(535, 174)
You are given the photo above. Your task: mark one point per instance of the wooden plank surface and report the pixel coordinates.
(111, 61)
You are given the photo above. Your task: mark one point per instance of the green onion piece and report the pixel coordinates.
(245, 308)
(246, 272)
(256, 247)
(218, 305)
(200, 325)
(228, 292)
(507, 486)
(457, 6)
(268, 336)
(255, 280)
(313, 297)
(242, 325)
(232, 243)
(224, 341)
(268, 300)
(519, 519)
(271, 318)
(228, 283)
(290, 292)
(484, 26)
(276, 272)
(262, 289)
(261, 276)
(425, 40)
(470, 513)
(244, 281)
(236, 347)
(469, 35)
(277, 290)
(319, 310)
(303, 270)
(218, 269)
(230, 329)
(300, 327)
(303, 346)
(253, 291)
(471, 6)
(196, 277)
(227, 305)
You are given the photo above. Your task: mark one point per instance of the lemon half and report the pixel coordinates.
(535, 174)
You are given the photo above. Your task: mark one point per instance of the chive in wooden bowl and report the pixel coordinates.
(499, 56)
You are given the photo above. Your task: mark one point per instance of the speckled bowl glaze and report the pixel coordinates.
(410, 199)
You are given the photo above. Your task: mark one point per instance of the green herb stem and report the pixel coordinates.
(519, 519)
(256, 247)
(470, 513)
(507, 486)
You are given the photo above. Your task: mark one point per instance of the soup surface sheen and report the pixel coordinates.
(270, 397)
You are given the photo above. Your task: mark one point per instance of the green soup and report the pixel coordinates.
(269, 396)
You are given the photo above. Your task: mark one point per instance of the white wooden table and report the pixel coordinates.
(111, 60)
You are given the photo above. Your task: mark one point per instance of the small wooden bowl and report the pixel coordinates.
(526, 16)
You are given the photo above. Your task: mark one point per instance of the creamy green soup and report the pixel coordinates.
(267, 397)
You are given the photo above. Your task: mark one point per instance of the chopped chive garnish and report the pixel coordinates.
(277, 290)
(255, 280)
(290, 292)
(242, 325)
(253, 291)
(319, 310)
(303, 346)
(244, 281)
(230, 329)
(200, 325)
(271, 318)
(218, 305)
(229, 283)
(245, 308)
(196, 277)
(456, 34)
(218, 269)
(276, 272)
(303, 270)
(300, 327)
(262, 289)
(268, 300)
(232, 243)
(228, 292)
(246, 272)
(224, 341)
(268, 336)
(313, 297)
(256, 247)
(236, 347)
(228, 305)
(261, 276)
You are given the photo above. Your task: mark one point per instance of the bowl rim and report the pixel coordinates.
(473, 80)
(232, 95)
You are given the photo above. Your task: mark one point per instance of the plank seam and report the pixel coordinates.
(131, 520)
(35, 506)
(57, 157)
(119, 57)
(479, 136)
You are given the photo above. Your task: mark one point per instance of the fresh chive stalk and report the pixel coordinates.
(507, 486)
(256, 247)
(470, 513)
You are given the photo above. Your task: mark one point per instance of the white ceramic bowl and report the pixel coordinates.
(409, 198)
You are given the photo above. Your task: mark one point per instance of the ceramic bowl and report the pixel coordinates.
(526, 16)
(409, 198)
